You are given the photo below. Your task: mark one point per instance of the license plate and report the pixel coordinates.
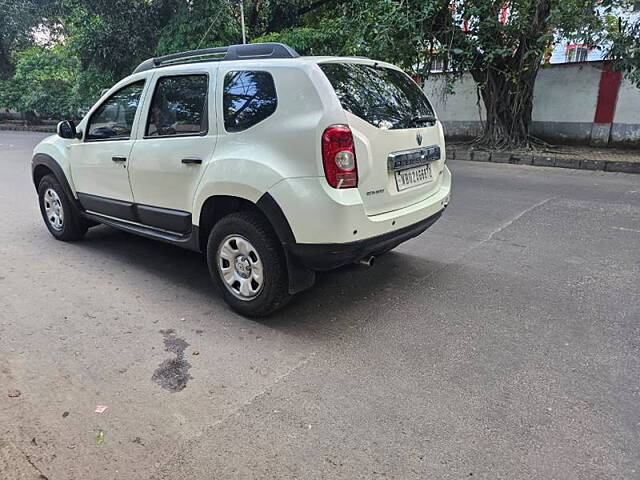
(412, 177)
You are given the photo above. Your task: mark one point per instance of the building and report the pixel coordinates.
(571, 51)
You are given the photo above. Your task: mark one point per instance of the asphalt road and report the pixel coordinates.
(502, 343)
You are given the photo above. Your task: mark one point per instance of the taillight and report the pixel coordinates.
(339, 157)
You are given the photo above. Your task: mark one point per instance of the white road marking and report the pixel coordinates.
(625, 229)
(517, 217)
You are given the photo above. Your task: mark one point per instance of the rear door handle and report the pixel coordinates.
(192, 160)
(119, 159)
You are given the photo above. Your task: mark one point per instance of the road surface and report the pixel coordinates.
(502, 343)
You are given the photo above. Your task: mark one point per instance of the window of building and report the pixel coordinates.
(576, 53)
(113, 119)
(249, 97)
(179, 106)
(437, 64)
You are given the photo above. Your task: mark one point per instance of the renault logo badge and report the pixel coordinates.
(419, 138)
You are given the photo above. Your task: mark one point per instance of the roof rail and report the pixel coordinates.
(221, 54)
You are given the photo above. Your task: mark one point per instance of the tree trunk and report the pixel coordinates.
(506, 86)
(6, 69)
(508, 99)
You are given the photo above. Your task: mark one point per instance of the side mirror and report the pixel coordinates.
(66, 129)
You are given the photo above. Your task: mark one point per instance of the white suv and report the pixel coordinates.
(274, 165)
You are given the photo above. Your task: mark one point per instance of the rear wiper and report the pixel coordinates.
(424, 119)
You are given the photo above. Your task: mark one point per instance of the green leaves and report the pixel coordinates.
(623, 38)
(307, 41)
(199, 24)
(96, 42)
(41, 77)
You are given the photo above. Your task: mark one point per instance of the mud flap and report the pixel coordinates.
(300, 277)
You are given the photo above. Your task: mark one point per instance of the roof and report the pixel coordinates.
(252, 51)
(221, 54)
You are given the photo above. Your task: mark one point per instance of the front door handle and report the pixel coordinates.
(119, 159)
(192, 160)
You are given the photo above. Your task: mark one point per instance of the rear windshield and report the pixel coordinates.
(384, 97)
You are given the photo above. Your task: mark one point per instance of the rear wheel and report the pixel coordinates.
(246, 261)
(61, 219)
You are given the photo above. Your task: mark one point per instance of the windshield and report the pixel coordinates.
(384, 97)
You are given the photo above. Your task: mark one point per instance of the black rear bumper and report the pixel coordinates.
(327, 256)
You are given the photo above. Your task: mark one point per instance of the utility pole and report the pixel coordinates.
(244, 33)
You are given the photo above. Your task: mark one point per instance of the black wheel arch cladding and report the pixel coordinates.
(43, 161)
(300, 277)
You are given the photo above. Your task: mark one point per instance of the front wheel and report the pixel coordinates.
(247, 263)
(61, 219)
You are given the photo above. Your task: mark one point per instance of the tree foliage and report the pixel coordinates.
(18, 19)
(40, 81)
(623, 36)
(197, 24)
(502, 43)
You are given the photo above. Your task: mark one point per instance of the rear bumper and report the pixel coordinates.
(320, 214)
(327, 256)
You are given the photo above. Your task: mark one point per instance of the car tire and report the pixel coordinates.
(247, 263)
(62, 220)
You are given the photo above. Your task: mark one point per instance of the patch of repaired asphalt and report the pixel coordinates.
(173, 373)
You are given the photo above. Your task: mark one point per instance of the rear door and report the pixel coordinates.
(399, 145)
(178, 140)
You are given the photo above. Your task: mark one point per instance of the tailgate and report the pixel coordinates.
(398, 142)
(394, 169)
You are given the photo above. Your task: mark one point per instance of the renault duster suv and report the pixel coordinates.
(274, 165)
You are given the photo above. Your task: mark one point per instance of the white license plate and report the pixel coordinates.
(412, 177)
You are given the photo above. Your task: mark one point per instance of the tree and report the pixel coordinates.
(500, 42)
(623, 38)
(18, 18)
(42, 83)
(200, 23)
(113, 36)
(504, 56)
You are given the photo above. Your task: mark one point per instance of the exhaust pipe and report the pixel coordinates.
(367, 261)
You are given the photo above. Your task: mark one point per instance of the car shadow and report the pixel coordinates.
(186, 268)
(338, 299)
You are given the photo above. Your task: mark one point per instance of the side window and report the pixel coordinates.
(249, 97)
(114, 118)
(179, 106)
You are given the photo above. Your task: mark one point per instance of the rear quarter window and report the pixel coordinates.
(249, 97)
(384, 97)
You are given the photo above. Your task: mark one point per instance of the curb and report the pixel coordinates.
(542, 160)
(22, 128)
